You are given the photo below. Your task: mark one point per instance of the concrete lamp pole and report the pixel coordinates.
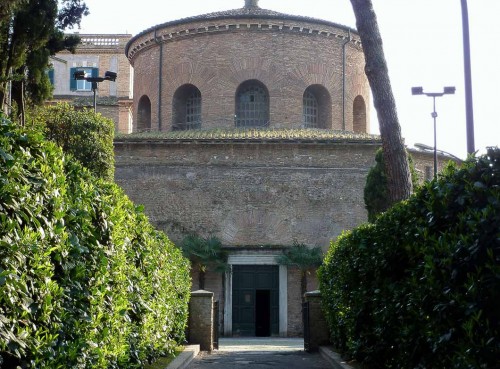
(446, 91)
(108, 76)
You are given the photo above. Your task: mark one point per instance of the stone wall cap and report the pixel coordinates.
(313, 293)
(201, 293)
(267, 135)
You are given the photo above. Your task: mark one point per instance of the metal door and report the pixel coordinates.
(247, 279)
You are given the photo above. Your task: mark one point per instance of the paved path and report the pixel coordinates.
(259, 353)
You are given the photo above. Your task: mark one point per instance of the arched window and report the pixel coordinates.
(144, 114)
(359, 114)
(252, 105)
(310, 110)
(316, 107)
(186, 108)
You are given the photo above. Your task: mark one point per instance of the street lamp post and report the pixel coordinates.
(469, 111)
(108, 76)
(446, 91)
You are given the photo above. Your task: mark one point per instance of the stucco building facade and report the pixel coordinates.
(96, 54)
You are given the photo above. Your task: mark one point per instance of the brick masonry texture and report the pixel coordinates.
(248, 194)
(255, 195)
(318, 327)
(201, 319)
(217, 55)
(251, 194)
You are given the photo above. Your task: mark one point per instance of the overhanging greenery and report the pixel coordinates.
(87, 136)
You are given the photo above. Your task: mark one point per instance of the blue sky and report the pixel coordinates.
(422, 43)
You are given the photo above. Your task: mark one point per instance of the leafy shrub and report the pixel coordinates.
(85, 280)
(205, 254)
(304, 258)
(376, 195)
(87, 136)
(419, 287)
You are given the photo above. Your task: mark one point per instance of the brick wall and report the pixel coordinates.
(248, 193)
(201, 320)
(251, 195)
(319, 334)
(217, 55)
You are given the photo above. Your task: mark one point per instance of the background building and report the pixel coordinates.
(95, 55)
(259, 137)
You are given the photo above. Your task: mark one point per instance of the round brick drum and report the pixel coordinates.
(249, 67)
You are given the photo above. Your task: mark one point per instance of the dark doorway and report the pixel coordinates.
(262, 313)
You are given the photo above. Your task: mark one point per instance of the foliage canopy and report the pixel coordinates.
(205, 254)
(376, 194)
(86, 136)
(305, 258)
(30, 32)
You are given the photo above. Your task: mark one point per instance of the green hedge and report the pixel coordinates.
(87, 136)
(376, 194)
(420, 287)
(85, 280)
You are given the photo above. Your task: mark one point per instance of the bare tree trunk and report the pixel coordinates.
(395, 157)
(18, 97)
(3, 103)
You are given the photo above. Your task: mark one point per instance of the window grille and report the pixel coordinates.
(193, 110)
(252, 108)
(310, 110)
(186, 108)
(144, 114)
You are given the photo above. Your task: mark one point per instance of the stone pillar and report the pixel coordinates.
(201, 319)
(319, 334)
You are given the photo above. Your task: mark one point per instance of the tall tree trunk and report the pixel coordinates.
(18, 98)
(395, 157)
(3, 103)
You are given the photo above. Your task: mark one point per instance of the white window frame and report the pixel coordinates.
(83, 85)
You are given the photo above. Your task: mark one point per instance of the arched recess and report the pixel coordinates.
(186, 108)
(252, 105)
(317, 107)
(359, 115)
(144, 114)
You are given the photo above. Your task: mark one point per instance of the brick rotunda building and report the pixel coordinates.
(251, 127)
(248, 67)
